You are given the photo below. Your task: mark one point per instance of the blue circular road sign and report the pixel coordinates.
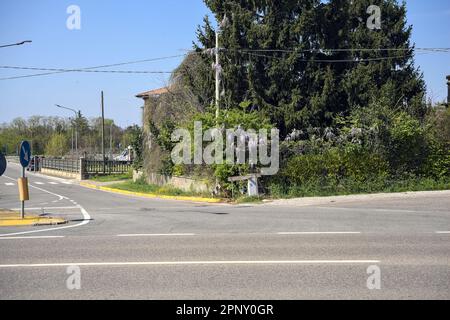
(2, 164)
(25, 154)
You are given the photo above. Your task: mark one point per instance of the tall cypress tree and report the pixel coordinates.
(274, 57)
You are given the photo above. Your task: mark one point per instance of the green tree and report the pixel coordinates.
(274, 55)
(57, 146)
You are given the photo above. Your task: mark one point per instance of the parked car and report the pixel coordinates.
(126, 155)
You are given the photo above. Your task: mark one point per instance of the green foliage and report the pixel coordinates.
(167, 166)
(334, 165)
(162, 135)
(295, 84)
(406, 145)
(230, 119)
(39, 129)
(438, 135)
(143, 187)
(57, 146)
(137, 143)
(113, 177)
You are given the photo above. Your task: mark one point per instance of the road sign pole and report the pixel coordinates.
(25, 159)
(103, 133)
(23, 202)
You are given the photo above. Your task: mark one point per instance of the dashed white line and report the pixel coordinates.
(317, 233)
(53, 183)
(157, 235)
(43, 190)
(179, 263)
(26, 238)
(443, 232)
(39, 183)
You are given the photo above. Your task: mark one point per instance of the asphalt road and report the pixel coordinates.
(134, 248)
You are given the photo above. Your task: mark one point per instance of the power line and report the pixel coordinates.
(329, 60)
(15, 44)
(91, 68)
(80, 70)
(250, 52)
(320, 50)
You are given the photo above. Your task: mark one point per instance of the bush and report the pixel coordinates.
(407, 146)
(57, 146)
(333, 165)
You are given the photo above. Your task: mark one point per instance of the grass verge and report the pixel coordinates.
(142, 187)
(112, 177)
(348, 187)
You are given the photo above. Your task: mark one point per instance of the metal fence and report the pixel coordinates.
(110, 167)
(89, 167)
(61, 164)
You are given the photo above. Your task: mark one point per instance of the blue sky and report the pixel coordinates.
(119, 31)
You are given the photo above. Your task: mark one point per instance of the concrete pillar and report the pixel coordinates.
(252, 186)
(82, 173)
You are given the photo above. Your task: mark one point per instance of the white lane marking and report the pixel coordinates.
(43, 190)
(53, 183)
(9, 184)
(46, 208)
(26, 238)
(443, 232)
(315, 233)
(86, 216)
(86, 220)
(42, 176)
(178, 263)
(39, 183)
(158, 235)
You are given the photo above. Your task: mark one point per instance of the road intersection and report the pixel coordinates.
(135, 248)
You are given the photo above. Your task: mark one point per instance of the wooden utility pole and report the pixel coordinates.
(448, 91)
(103, 134)
(218, 70)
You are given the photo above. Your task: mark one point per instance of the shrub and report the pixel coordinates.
(407, 146)
(333, 165)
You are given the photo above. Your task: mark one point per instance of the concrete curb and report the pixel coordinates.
(12, 220)
(150, 195)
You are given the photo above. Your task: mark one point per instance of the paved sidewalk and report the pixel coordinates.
(311, 201)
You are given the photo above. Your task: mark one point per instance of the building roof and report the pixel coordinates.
(153, 93)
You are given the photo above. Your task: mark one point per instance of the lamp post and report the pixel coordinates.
(76, 125)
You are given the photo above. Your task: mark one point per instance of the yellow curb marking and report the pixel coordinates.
(151, 195)
(12, 219)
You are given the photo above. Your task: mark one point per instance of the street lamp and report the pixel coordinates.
(16, 44)
(76, 125)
